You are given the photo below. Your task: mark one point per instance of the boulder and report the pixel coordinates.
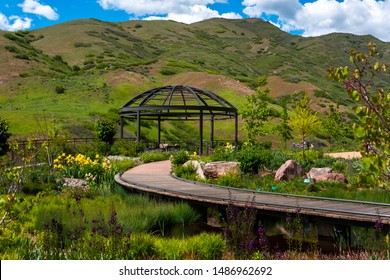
(220, 168)
(199, 170)
(325, 174)
(289, 170)
(316, 172)
(74, 183)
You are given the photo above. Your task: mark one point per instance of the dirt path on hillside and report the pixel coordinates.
(346, 155)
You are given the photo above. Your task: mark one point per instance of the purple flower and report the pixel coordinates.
(378, 225)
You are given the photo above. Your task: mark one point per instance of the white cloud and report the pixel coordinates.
(14, 23)
(34, 7)
(154, 7)
(186, 11)
(283, 8)
(194, 14)
(326, 16)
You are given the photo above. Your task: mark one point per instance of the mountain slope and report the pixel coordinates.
(74, 71)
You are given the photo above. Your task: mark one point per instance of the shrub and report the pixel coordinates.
(340, 165)
(105, 130)
(168, 71)
(252, 159)
(76, 68)
(187, 172)
(179, 158)
(12, 49)
(22, 56)
(324, 162)
(123, 165)
(294, 79)
(277, 160)
(59, 89)
(308, 160)
(82, 44)
(230, 180)
(225, 153)
(127, 148)
(320, 93)
(4, 136)
(154, 156)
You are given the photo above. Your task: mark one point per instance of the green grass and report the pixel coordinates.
(136, 213)
(150, 49)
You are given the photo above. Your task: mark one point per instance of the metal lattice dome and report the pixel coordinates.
(178, 102)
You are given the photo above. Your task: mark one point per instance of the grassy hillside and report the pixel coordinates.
(74, 71)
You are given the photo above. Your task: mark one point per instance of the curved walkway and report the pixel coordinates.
(156, 178)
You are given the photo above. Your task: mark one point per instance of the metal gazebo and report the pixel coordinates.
(179, 102)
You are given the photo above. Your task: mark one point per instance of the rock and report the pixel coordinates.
(74, 183)
(289, 170)
(331, 177)
(199, 170)
(315, 172)
(325, 174)
(220, 168)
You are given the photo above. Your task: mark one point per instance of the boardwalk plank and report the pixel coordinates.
(155, 177)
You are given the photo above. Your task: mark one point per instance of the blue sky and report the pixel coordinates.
(304, 17)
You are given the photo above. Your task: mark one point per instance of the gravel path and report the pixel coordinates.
(346, 155)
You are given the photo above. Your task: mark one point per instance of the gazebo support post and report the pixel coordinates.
(159, 131)
(121, 124)
(236, 130)
(201, 132)
(212, 132)
(138, 126)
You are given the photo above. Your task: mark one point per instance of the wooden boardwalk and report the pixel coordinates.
(156, 178)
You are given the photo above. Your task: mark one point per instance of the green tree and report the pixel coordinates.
(283, 129)
(105, 130)
(4, 136)
(256, 111)
(373, 111)
(304, 120)
(332, 125)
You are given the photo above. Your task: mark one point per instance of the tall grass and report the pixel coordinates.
(154, 156)
(136, 213)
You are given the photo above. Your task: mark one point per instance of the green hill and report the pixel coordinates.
(74, 71)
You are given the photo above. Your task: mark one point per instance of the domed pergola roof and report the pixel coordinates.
(178, 102)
